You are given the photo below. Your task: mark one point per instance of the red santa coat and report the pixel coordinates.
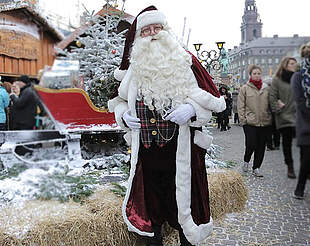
(133, 210)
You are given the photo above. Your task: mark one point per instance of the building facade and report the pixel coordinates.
(27, 41)
(266, 52)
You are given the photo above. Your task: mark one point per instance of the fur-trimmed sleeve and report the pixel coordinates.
(203, 103)
(119, 107)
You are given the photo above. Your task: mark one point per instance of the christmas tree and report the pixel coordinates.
(99, 51)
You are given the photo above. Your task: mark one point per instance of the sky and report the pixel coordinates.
(211, 20)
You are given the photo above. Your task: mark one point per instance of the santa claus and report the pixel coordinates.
(164, 99)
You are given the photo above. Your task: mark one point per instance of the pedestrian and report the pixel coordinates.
(300, 84)
(255, 116)
(24, 104)
(283, 106)
(4, 103)
(8, 87)
(234, 106)
(224, 116)
(164, 99)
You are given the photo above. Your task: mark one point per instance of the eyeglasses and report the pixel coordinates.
(148, 30)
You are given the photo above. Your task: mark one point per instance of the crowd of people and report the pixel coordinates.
(281, 109)
(19, 105)
(271, 111)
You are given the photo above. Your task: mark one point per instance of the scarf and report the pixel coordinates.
(287, 75)
(258, 83)
(305, 83)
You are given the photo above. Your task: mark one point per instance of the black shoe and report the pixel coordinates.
(291, 173)
(151, 242)
(157, 240)
(270, 148)
(298, 195)
(276, 147)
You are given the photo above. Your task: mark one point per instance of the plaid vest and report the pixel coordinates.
(153, 127)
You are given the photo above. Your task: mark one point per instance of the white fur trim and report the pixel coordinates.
(123, 89)
(119, 74)
(203, 140)
(203, 115)
(150, 17)
(207, 100)
(193, 233)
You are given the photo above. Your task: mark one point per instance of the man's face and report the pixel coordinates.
(150, 30)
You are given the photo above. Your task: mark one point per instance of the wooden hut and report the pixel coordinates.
(27, 40)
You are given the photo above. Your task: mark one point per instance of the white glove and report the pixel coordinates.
(181, 114)
(131, 122)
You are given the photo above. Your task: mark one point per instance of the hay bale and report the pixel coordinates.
(72, 225)
(228, 193)
(7, 240)
(107, 208)
(99, 220)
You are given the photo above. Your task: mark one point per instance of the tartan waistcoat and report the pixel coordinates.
(153, 127)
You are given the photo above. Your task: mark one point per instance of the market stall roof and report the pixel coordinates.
(33, 12)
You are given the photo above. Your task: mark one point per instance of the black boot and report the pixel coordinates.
(157, 240)
(183, 239)
(290, 171)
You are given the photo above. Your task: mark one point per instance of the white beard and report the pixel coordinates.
(162, 71)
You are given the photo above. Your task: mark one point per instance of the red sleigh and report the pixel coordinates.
(72, 110)
(73, 114)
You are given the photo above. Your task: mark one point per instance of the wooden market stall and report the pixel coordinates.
(27, 41)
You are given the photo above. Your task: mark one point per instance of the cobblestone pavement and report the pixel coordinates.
(272, 216)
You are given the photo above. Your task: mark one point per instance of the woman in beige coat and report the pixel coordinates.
(255, 116)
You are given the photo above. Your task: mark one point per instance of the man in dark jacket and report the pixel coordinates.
(25, 102)
(224, 116)
(300, 84)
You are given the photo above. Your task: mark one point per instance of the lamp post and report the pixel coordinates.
(210, 59)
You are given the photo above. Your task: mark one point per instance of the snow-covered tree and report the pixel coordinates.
(99, 51)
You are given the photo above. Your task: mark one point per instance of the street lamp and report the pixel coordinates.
(210, 59)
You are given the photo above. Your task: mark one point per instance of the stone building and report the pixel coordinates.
(266, 52)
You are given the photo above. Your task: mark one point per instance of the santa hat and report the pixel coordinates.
(148, 16)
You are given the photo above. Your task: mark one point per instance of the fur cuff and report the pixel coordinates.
(203, 140)
(119, 74)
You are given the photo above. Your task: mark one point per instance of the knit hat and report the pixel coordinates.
(148, 16)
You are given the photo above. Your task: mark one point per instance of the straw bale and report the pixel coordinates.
(8, 240)
(228, 193)
(98, 221)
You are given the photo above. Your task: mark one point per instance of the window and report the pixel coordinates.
(261, 51)
(276, 60)
(256, 61)
(268, 51)
(263, 61)
(270, 60)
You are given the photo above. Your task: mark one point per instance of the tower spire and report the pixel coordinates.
(251, 26)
